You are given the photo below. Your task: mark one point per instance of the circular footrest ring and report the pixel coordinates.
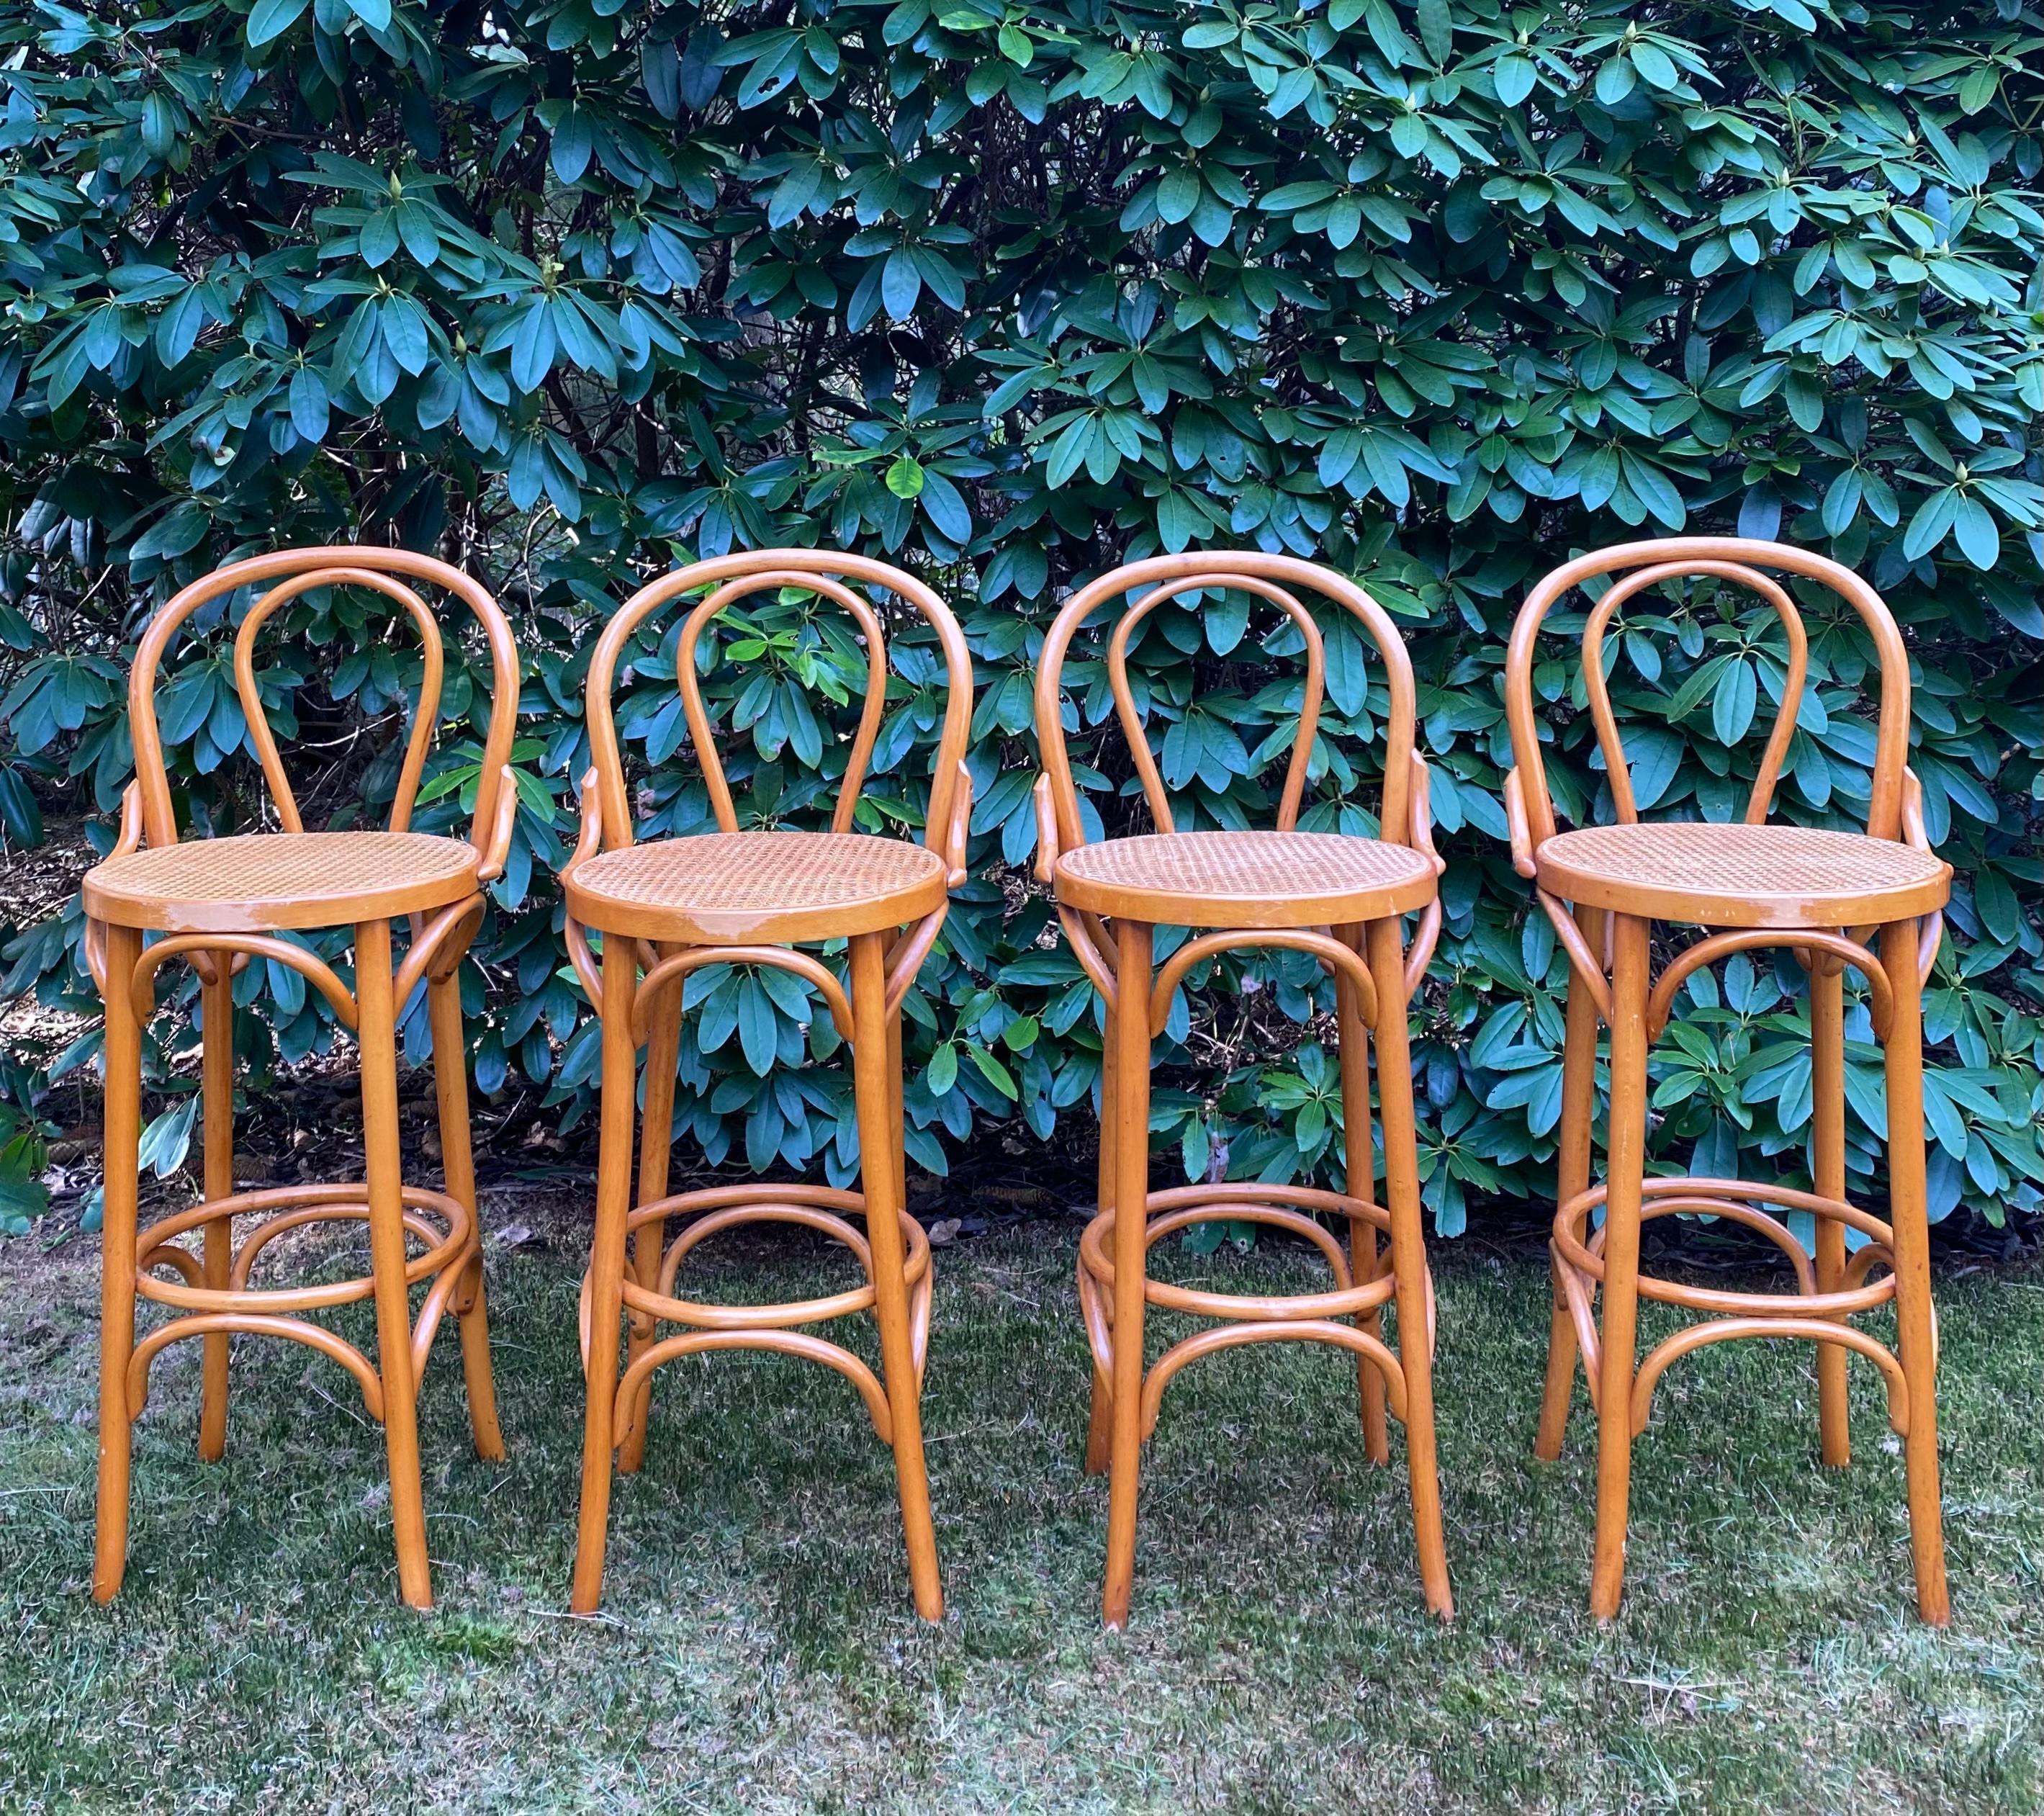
(718, 1327)
(1583, 1253)
(1807, 1313)
(450, 1245)
(1283, 1207)
(296, 1207)
(1303, 1317)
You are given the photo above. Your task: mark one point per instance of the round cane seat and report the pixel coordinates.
(1245, 879)
(761, 888)
(260, 882)
(1744, 876)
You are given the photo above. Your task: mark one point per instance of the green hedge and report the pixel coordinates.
(569, 289)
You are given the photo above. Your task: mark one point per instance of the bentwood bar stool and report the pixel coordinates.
(1339, 897)
(1822, 895)
(669, 907)
(218, 903)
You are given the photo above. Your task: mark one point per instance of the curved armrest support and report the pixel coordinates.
(587, 847)
(128, 839)
(1422, 814)
(906, 958)
(1089, 955)
(437, 948)
(1047, 831)
(1522, 834)
(506, 817)
(1914, 836)
(1424, 940)
(960, 829)
(1429, 931)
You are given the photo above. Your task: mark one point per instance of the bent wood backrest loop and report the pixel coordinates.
(1738, 560)
(1273, 577)
(725, 580)
(300, 571)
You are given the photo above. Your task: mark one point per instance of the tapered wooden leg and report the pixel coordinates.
(123, 1132)
(1100, 1416)
(1619, 1322)
(880, 1180)
(384, 1189)
(1572, 1177)
(606, 1266)
(458, 1167)
(1908, 1213)
(656, 1140)
(1359, 1155)
(1827, 1141)
(1408, 1257)
(897, 1110)
(1129, 1029)
(217, 1075)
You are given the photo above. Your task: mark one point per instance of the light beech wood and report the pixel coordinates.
(218, 903)
(1336, 896)
(1819, 893)
(666, 909)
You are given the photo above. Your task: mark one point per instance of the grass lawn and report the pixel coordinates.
(757, 1652)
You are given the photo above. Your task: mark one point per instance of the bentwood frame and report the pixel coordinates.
(1341, 897)
(217, 904)
(1821, 895)
(667, 908)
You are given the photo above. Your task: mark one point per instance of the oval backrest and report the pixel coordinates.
(296, 571)
(1277, 579)
(725, 581)
(1738, 560)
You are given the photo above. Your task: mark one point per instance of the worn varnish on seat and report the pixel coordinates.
(772, 886)
(262, 882)
(1248, 878)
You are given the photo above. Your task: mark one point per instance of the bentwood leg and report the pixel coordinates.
(123, 1061)
(1100, 1418)
(1359, 1154)
(897, 1152)
(458, 1167)
(1408, 1257)
(606, 1266)
(1909, 1217)
(1572, 1177)
(656, 1140)
(1827, 1115)
(384, 1189)
(216, 1088)
(1129, 1030)
(1619, 1321)
(880, 1176)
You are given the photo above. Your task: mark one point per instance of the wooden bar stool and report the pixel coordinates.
(667, 908)
(1820, 893)
(218, 903)
(1337, 896)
